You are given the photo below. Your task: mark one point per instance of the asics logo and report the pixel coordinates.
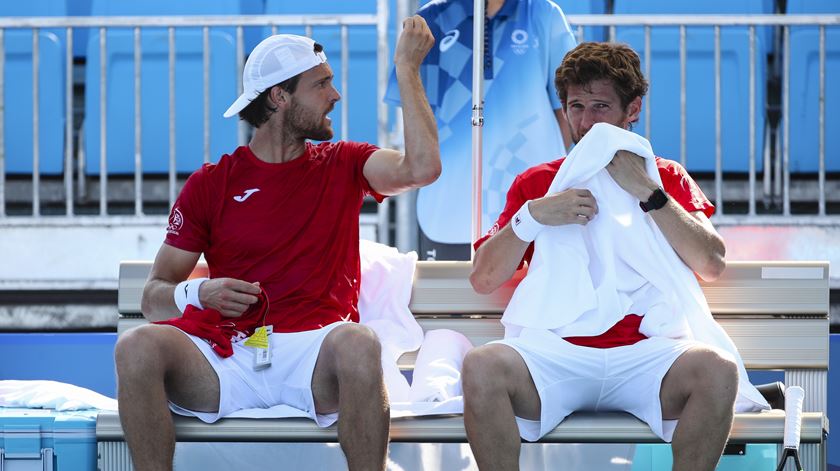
(246, 195)
(449, 40)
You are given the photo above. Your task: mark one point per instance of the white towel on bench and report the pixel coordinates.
(437, 370)
(584, 279)
(384, 295)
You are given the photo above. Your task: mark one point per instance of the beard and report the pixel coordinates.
(307, 124)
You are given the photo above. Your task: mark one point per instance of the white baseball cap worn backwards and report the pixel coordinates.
(274, 60)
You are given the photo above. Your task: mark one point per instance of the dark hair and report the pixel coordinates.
(591, 61)
(260, 109)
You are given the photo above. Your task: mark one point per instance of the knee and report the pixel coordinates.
(357, 351)
(717, 377)
(137, 351)
(484, 368)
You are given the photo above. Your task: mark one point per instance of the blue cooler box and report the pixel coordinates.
(46, 440)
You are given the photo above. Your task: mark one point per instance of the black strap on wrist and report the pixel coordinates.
(657, 200)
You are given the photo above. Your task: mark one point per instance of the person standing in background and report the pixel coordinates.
(525, 41)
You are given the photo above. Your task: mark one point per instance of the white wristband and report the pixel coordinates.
(524, 225)
(187, 293)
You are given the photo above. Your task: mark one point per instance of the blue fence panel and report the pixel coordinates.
(590, 7)
(708, 7)
(189, 88)
(80, 35)
(18, 102)
(34, 8)
(664, 94)
(189, 99)
(17, 93)
(804, 90)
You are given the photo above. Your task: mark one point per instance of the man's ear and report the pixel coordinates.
(634, 108)
(279, 97)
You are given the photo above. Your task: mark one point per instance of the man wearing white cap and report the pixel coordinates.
(278, 223)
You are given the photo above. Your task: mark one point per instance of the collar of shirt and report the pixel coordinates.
(508, 9)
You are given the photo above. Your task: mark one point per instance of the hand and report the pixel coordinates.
(572, 206)
(415, 42)
(628, 170)
(229, 296)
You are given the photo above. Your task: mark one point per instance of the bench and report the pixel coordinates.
(775, 312)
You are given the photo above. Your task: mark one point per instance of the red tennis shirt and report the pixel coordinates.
(292, 226)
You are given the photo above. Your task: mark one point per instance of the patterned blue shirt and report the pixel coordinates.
(529, 39)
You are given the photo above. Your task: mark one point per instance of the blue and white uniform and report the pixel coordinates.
(529, 39)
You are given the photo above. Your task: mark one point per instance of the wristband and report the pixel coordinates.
(187, 293)
(524, 225)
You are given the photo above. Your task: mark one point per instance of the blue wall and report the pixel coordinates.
(83, 359)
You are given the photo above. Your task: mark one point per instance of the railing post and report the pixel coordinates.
(68, 124)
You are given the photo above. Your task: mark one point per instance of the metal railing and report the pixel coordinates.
(776, 183)
(74, 161)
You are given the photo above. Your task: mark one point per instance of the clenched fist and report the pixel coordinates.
(415, 42)
(229, 296)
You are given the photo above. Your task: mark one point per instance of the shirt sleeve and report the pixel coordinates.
(189, 221)
(359, 153)
(515, 199)
(685, 191)
(562, 40)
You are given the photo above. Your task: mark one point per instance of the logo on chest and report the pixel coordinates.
(519, 42)
(241, 198)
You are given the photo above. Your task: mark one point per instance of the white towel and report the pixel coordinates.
(385, 292)
(437, 370)
(52, 395)
(584, 279)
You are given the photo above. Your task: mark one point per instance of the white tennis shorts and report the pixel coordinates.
(572, 378)
(287, 381)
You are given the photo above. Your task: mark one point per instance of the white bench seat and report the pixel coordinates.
(580, 427)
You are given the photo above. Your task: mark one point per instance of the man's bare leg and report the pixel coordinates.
(700, 390)
(497, 387)
(348, 378)
(153, 361)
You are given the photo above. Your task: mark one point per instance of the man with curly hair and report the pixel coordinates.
(525, 385)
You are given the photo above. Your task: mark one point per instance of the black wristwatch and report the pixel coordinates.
(657, 200)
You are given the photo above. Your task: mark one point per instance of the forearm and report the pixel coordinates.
(496, 260)
(697, 243)
(690, 234)
(158, 302)
(421, 162)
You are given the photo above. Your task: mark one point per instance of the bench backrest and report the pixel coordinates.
(775, 312)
